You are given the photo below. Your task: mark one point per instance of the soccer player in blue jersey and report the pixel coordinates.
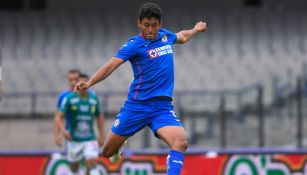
(149, 100)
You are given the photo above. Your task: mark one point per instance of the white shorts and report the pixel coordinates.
(78, 150)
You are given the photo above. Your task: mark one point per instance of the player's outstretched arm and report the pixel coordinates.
(101, 74)
(185, 35)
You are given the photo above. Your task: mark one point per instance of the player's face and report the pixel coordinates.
(149, 27)
(83, 79)
(72, 79)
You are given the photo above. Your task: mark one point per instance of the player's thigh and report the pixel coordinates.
(74, 151)
(168, 127)
(164, 118)
(128, 123)
(171, 134)
(112, 144)
(174, 136)
(91, 150)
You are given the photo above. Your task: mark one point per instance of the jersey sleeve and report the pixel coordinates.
(172, 37)
(60, 99)
(64, 105)
(127, 51)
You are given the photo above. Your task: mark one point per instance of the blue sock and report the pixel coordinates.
(174, 162)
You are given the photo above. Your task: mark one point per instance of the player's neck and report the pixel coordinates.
(83, 94)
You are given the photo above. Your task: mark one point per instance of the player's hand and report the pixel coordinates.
(59, 140)
(67, 135)
(81, 86)
(200, 26)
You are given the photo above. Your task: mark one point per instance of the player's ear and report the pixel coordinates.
(139, 22)
(160, 23)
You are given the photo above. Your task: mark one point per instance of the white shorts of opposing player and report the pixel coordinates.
(78, 150)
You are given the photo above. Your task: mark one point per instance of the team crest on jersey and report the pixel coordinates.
(116, 123)
(74, 108)
(93, 109)
(164, 38)
(153, 53)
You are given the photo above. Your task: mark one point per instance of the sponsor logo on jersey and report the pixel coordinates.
(164, 39)
(154, 53)
(84, 108)
(84, 117)
(74, 100)
(93, 101)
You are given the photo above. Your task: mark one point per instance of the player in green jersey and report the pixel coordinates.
(83, 110)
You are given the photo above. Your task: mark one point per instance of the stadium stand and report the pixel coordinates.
(246, 47)
(243, 48)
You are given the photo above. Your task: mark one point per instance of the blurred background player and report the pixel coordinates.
(73, 76)
(150, 95)
(82, 109)
(84, 77)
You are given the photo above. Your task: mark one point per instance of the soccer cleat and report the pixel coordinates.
(115, 157)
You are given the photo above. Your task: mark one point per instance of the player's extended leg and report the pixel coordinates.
(74, 155)
(127, 123)
(91, 153)
(175, 138)
(112, 144)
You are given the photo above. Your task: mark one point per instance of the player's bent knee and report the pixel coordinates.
(91, 163)
(184, 145)
(181, 145)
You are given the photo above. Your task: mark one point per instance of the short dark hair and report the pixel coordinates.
(84, 76)
(150, 10)
(73, 71)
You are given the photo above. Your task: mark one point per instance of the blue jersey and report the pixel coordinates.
(152, 64)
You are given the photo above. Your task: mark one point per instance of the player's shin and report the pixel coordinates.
(174, 162)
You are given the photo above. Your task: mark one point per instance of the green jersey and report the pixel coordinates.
(81, 114)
